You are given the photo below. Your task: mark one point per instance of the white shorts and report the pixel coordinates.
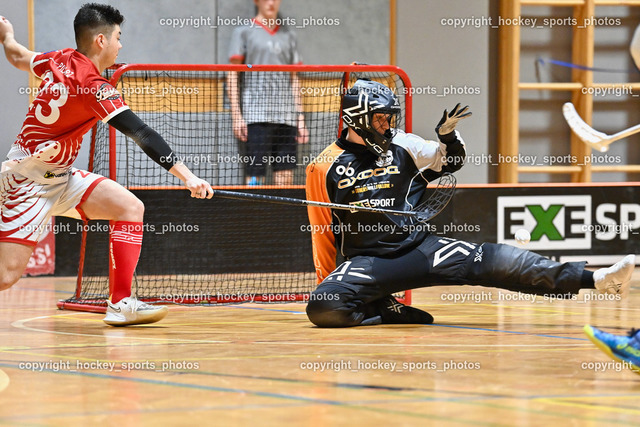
(27, 206)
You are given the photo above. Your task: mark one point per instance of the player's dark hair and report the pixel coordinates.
(93, 19)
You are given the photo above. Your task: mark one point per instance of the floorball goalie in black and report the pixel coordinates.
(375, 164)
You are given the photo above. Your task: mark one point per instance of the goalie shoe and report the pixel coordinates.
(390, 311)
(617, 278)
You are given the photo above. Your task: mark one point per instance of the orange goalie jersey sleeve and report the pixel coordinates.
(321, 219)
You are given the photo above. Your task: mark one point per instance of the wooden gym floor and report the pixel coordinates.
(489, 361)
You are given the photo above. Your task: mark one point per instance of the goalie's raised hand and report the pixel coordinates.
(448, 122)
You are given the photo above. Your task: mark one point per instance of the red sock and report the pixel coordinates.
(125, 241)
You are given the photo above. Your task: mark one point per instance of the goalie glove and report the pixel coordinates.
(449, 121)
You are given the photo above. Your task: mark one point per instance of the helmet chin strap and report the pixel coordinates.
(376, 143)
(369, 141)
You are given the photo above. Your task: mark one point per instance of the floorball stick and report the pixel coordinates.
(598, 140)
(439, 198)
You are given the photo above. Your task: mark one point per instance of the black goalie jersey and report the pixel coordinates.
(348, 173)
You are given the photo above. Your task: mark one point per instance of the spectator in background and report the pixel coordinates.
(266, 107)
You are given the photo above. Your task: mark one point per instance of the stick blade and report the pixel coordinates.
(586, 133)
(440, 197)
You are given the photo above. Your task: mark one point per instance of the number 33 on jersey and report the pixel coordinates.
(71, 98)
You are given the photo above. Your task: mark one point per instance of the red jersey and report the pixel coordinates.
(70, 100)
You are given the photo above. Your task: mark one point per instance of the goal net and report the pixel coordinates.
(217, 251)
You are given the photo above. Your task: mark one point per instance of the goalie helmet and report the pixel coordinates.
(364, 99)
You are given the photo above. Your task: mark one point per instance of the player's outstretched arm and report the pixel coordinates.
(17, 55)
(199, 188)
(159, 151)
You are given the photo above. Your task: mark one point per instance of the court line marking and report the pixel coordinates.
(20, 324)
(358, 405)
(55, 291)
(542, 308)
(185, 385)
(512, 332)
(151, 411)
(267, 309)
(395, 391)
(314, 383)
(439, 345)
(159, 341)
(120, 363)
(309, 400)
(541, 413)
(595, 406)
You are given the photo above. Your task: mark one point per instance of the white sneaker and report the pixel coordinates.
(617, 278)
(131, 311)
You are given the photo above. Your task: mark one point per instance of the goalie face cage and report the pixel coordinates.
(219, 251)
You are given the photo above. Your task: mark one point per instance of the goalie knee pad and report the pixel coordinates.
(332, 306)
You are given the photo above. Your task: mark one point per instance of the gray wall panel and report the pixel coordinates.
(441, 59)
(13, 83)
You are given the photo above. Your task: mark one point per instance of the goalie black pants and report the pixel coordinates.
(343, 297)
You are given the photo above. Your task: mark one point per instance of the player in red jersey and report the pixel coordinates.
(37, 179)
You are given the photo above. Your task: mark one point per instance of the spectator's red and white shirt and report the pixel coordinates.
(72, 97)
